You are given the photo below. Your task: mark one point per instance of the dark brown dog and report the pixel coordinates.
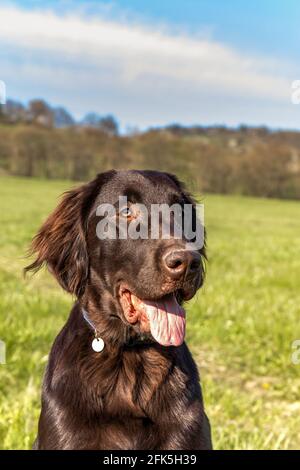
(142, 390)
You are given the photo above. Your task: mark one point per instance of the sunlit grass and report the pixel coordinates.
(240, 326)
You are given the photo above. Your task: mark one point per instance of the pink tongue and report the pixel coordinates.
(167, 320)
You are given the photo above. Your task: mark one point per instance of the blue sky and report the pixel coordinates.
(153, 62)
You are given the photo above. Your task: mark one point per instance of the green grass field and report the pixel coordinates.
(240, 325)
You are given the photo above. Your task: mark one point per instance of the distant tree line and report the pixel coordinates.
(40, 141)
(40, 113)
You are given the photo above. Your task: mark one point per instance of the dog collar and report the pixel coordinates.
(97, 343)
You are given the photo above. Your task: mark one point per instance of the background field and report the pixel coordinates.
(240, 326)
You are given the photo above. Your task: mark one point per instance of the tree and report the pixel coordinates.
(40, 113)
(13, 112)
(109, 125)
(62, 118)
(106, 124)
(91, 120)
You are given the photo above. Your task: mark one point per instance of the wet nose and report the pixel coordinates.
(179, 263)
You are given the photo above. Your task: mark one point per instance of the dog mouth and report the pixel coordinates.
(164, 317)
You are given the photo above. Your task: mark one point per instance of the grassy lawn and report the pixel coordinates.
(240, 325)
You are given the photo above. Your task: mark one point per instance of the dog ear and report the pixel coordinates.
(187, 196)
(60, 243)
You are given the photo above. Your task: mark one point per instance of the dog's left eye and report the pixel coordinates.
(126, 212)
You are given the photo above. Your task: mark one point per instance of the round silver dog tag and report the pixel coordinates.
(98, 344)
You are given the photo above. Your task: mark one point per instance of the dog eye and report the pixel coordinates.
(126, 212)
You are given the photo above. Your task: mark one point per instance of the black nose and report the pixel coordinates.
(180, 263)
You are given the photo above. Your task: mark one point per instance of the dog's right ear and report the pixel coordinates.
(60, 243)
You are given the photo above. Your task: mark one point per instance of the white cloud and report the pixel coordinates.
(135, 59)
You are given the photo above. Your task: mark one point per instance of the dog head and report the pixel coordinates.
(102, 243)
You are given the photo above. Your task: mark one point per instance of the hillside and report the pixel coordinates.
(248, 161)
